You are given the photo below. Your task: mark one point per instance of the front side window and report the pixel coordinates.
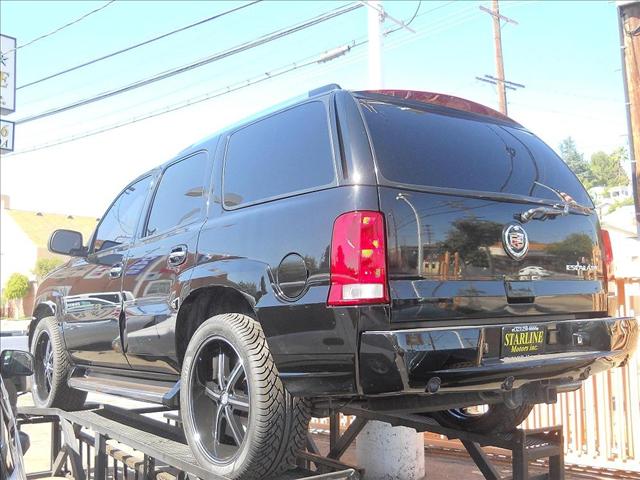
(119, 223)
(285, 153)
(179, 199)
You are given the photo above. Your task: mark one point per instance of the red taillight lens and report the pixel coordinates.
(607, 254)
(358, 260)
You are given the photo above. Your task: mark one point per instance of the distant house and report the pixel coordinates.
(605, 197)
(24, 236)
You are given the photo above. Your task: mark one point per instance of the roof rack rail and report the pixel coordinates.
(324, 89)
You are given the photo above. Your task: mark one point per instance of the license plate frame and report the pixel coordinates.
(523, 340)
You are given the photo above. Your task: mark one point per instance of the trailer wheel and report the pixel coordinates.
(238, 419)
(52, 368)
(489, 419)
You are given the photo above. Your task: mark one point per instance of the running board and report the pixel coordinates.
(143, 390)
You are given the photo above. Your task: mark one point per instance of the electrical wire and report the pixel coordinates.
(73, 22)
(348, 46)
(188, 103)
(415, 14)
(205, 61)
(300, 64)
(137, 45)
(386, 33)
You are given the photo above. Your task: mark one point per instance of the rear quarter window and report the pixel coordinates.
(286, 153)
(418, 146)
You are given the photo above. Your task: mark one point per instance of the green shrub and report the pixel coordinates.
(17, 287)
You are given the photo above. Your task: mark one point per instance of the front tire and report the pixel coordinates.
(238, 419)
(52, 368)
(495, 419)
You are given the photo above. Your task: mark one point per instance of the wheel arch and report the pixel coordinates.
(42, 310)
(203, 303)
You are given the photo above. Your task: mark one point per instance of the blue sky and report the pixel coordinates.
(566, 53)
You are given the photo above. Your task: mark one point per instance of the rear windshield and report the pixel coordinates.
(418, 146)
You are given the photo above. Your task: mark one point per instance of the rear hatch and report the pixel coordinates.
(456, 189)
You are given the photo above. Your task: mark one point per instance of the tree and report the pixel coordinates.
(17, 288)
(607, 169)
(575, 161)
(471, 238)
(619, 156)
(44, 266)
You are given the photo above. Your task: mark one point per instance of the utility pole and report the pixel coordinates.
(402, 196)
(629, 25)
(375, 17)
(497, 43)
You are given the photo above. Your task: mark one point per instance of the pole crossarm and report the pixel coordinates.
(385, 15)
(498, 15)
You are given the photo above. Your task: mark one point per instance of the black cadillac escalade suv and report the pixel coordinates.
(400, 249)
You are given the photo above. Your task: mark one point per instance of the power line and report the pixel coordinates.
(213, 58)
(190, 102)
(300, 64)
(137, 45)
(415, 14)
(410, 21)
(73, 22)
(323, 57)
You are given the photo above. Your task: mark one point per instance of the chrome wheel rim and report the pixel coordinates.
(44, 365)
(220, 403)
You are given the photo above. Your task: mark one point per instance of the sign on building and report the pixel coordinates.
(6, 136)
(7, 74)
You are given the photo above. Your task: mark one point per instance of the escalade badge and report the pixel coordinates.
(515, 241)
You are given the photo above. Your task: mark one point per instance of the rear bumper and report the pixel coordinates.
(469, 358)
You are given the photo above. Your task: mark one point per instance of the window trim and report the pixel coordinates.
(134, 235)
(205, 197)
(330, 130)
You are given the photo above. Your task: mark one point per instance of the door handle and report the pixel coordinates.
(177, 256)
(116, 271)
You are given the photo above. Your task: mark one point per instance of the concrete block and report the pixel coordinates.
(390, 453)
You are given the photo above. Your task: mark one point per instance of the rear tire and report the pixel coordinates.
(52, 368)
(238, 419)
(498, 418)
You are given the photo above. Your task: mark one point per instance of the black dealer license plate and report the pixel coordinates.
(521, 340)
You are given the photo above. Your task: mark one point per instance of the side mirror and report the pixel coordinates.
(67, 242)
(16, 363)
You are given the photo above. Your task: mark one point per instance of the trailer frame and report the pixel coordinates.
(79, 439)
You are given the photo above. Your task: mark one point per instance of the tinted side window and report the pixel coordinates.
(287, 152)
(421, 147)
(119, 223)
(180, 195)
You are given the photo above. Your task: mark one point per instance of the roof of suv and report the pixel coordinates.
(431, 98)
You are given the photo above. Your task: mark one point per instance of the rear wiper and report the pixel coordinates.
(559, 209)
(542, 213)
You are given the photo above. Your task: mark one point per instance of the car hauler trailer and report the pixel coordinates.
(150, 448)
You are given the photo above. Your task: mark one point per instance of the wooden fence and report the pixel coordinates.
(602, 419)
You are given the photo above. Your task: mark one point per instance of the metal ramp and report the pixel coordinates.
(148, 448)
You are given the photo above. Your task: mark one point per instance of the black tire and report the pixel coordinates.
(238, 425)
(497, 418)
(51, 370)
